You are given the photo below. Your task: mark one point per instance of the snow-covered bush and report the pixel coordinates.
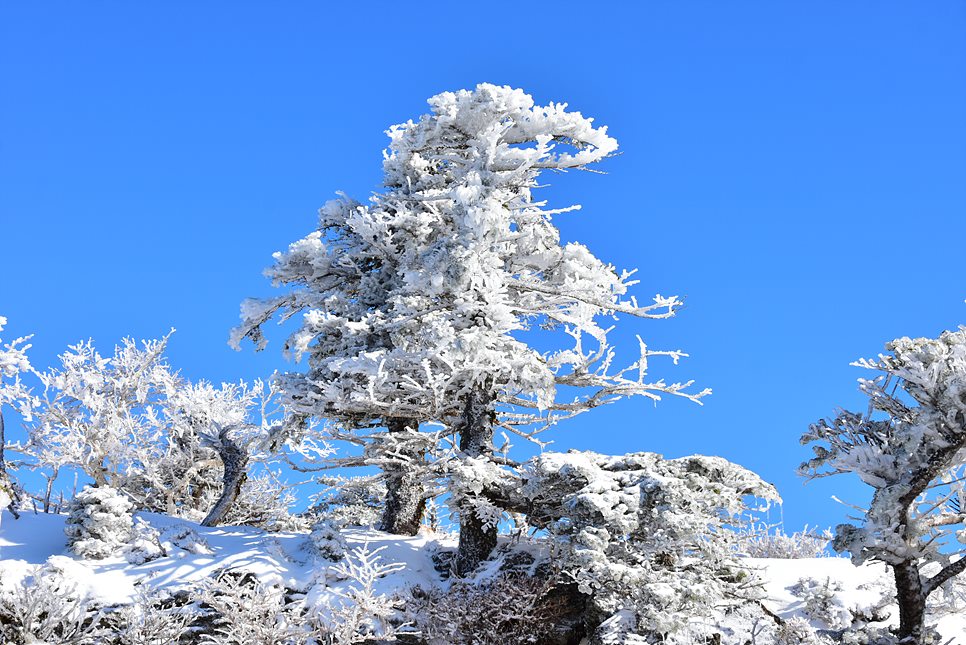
(264, 502)
(182, 536)
(185, 449)
(144, 544)
(759, 541)
(356, 612)
(99, 522)
(820, 602)
(248, 612)
(910, 448)
(46, 607)
(349, 501)
(797, 631)
(646, 538)
(13, 393)
(153, 618)
(510, 609)
(327, 541)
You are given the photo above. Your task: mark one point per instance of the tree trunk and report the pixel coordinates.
(912, 603)
(4, 479)
(3, 442)
(405, 496)
(235, 460)
(477, 541)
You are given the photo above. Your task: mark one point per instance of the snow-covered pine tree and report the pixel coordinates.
(13, 392)
(447, 267)
(910, 447)
(99, 522)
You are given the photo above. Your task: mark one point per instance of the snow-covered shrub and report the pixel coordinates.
(13, 393)
(349, 501)
(798, 631)
(757, 541)
(99, 522)
(355, 612)
(248, 612)
(182, 536)
(327, 541)
(646, 538)
(151, 619)
(47, 607)
(821, 603)
(264, 502)
(144, 544)
(510, 609)
(130, 421)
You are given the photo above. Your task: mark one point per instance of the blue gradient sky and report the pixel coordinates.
(796, 170)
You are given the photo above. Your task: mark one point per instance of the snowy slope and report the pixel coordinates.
(283, 558)
(286, 558)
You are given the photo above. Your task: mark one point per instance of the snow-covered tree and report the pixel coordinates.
(413, 306)
(910, 447)
(219, 419)
(101, 414)
(13, 393)
(176, 447)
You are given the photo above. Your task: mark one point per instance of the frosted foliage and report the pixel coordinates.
(414, 299)
(359, 613)
(506, 610)
(13, 355)
(761, 541)
(819, 602)
(99, 523)
(100, 414)
(349, 501)
(647, 538)
(914, 441)
(14, 363)
(47, 607)
(129, 420)
(910, 447)
(251, 612)
(265, 502)
(327, 540)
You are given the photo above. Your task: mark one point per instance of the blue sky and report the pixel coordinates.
(794, 169)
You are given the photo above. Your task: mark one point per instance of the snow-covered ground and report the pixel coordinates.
(286, 558)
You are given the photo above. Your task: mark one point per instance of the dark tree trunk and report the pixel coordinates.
(405, 495)
(912, 603)
(4, 479)
(476, 440)
(235, 460)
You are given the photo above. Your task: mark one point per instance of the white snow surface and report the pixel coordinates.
(282, 558)
(286, 558)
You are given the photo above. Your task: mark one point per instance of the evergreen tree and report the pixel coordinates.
(413, 306)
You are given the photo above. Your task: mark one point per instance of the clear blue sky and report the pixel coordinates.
(795, 169)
